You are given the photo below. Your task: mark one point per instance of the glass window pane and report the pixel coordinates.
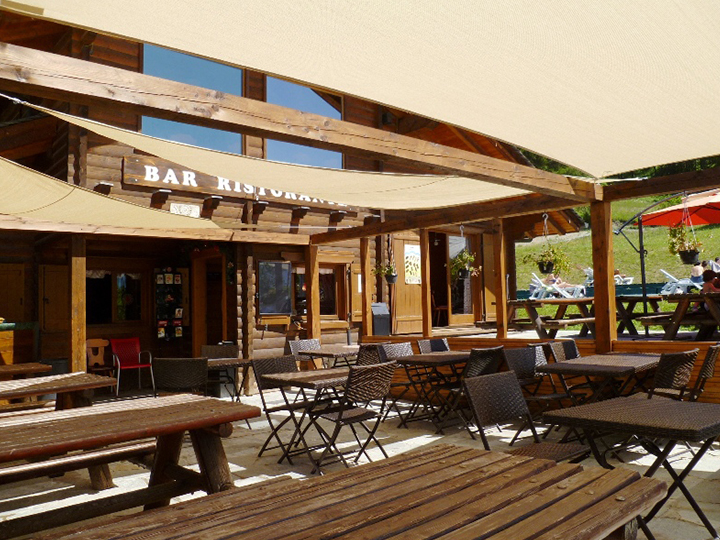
(98, 285)
(274, 288)
(461, 284)
(328, 304)
(300, 293)
(128, 297)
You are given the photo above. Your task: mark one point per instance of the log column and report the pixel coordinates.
(603, 274)
(312, 282)
(500, 241)
(78, 306)
(425, 283)
(367, 286)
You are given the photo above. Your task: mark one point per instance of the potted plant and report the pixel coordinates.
(549, 259)
(388, 270)
(461, 265)
(684, 243)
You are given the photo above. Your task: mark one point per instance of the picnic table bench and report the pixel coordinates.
(115, 431)
(707, 318)
(443, 491)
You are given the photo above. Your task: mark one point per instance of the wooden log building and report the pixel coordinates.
(63, 285)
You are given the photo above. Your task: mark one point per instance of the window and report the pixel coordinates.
(274, 288)
(113, 296)
(331, 290)
(460, 286)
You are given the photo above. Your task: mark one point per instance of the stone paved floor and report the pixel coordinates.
(676, 522)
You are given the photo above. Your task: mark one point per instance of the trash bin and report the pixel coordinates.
(381, 319)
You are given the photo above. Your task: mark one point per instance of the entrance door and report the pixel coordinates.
(208, 300)
(462, 287)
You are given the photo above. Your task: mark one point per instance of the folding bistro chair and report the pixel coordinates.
(497, 398)
(672, 374)
(364, 384)
(707, 371)
(298, 345)
(387, 352)
(433, 345)
(268, 366)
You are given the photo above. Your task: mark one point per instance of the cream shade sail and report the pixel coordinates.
(353, 188)
(605, 86)
(30, 200)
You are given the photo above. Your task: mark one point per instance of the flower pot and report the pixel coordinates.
(391, 278)
(690, 256)
(463, 273)
(546, 267)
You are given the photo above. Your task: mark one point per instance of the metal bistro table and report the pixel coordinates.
(426, 376)
(321, 381)
(603, 370)
(441, 491)
(332, 353)
(651, 420)
(230, 366)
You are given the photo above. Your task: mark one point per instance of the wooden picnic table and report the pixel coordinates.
(626, 305)
(602, 371)
(442, 491)
(660, 424)
(332, 352)
(72, 389)
(707, 317)
(109, 432)
(23, 369)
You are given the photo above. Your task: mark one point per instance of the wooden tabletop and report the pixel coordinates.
(442, 491)
(440, 358)
(224, 363)
(332, 351)
(317, 379)
(55, 432)
(664, 418)
(53, 384)
(604, 365)
(26, 368)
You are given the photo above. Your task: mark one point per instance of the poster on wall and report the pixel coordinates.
(412, 264)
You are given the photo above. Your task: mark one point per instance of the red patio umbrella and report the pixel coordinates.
(699, 209)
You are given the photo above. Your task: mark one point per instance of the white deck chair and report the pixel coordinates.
(539, 289)
(677, 286)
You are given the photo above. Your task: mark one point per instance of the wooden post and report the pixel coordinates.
(425, 283)
(312, 282)
(78, 306)
(500, 239)
(603, 269)
(367, 285)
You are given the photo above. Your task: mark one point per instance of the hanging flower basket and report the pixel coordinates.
(689, 256)
(391, 278)
(546, 267)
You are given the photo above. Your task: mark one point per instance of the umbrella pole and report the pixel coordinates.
(642, 272)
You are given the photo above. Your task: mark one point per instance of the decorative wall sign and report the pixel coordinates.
(412, 264)
(168, 302)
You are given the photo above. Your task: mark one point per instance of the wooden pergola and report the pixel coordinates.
(45, 75)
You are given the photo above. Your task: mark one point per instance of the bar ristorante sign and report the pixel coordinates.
(152, 172)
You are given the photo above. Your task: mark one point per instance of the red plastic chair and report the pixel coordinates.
(127, 355)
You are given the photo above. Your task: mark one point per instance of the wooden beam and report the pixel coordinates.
(312, 282)
(603, 272)
(78, 307)
(512, 206)
(42, 74)
(367, 286)
(661, 185)
(425, 293)
(500, 241)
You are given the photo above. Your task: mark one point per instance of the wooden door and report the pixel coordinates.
(199, 299)
(54, 311)
(407, 298)
(12, 288)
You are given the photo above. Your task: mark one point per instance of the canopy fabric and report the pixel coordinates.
(699, 209)
(353, 188)
(30, 200)
(606, 86)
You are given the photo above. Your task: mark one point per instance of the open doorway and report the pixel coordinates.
(208, 298)
(439, 279)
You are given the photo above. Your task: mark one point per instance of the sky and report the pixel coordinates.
(199, 72)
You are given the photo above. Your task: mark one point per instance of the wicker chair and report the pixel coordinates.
(223, 375)
(181, 375)
(387, 352)
(298, 345)
(268, 366)
(450, 395)
(497, 398)
(707, 371)
(672, 374)
(433, 345)
(368, 355)
(364, 384)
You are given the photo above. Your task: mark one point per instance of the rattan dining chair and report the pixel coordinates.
(364, 384)
(387, 352)
(268, 366)
(298, 345)
(433, 345)
(673, 373)
(368, 355)
(497, 398)
(707, 371)
(181, 375)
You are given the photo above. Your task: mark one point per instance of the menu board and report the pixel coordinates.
(169, 303)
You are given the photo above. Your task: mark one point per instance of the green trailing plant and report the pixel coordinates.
(550, 254)
(462, 261)
(388, 269)
(682, 238)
